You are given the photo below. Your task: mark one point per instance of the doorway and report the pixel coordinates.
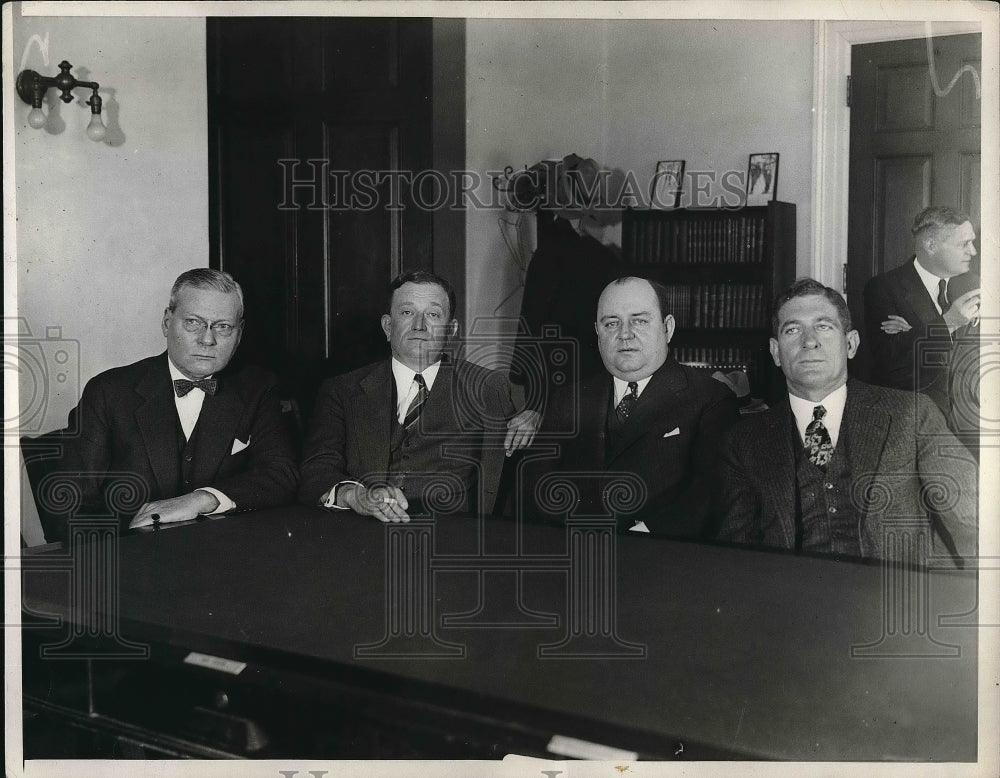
(914, 141)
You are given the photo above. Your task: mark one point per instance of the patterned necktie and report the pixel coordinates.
(208, 385)
(417, 403)
(943, 295)
(628, 401)
(818, 442)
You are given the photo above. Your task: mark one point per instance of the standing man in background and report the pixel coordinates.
(910, 312)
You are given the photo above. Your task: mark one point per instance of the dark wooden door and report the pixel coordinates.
(910, 147)
(298, 108)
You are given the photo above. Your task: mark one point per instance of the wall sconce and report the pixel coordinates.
(31, 87)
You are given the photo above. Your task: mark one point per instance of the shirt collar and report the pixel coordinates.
(834, 403)
(621, 387)
(404, 376)
(176, 374)
(929, 280)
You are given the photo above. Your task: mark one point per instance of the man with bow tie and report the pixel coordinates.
(842, 467)
(178, 432)
(656, 422)
(422, 432)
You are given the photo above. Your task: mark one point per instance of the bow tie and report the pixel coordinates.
(208, 385)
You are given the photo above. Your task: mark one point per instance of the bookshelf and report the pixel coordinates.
(722, 269)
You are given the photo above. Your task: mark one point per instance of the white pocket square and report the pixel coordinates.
(238, 446)
(674, 431)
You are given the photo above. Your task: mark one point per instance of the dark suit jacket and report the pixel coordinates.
(127, 443)
(348, 437)
(906, 465)
(894, 357)
(677, 470)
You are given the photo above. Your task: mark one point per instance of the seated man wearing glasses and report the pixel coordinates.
(177, 435)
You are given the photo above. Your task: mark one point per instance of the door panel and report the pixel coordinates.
(902, 186)
(297, 99)
(910, 147)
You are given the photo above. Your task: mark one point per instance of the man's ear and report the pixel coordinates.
(163, 324)
(452, 328)
(386, 321)
(775, 354)
(853, 341)
(669, 325)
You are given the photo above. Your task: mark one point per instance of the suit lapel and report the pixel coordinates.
(916, 295)
(662, 392)
(372, 414)
(589, 446)
(440, 404)
(156, 420)
(867, 429)
(778, 472)
(216, 430)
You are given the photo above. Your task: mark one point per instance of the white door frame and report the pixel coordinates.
(832, 41)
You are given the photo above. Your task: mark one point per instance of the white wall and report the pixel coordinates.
(104, 228)
(629, 93)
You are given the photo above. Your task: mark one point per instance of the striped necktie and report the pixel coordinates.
(417, 403)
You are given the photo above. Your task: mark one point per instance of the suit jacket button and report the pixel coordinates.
(188, 458)
(833, 509)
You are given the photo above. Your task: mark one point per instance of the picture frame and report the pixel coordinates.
(762, 178)
(668, 182)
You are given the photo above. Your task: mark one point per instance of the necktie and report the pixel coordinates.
(943, 294)
(628, 401)
(208, 385)
(818, 442)
(417, 403)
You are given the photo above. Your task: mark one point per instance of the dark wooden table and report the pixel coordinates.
(497, 635)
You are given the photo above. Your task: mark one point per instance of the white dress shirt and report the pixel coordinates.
(406, 389)
(931, 283)
(188, 410)
(621, 388)
(834, 403)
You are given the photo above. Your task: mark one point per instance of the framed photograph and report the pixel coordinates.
(762, 179)
(667, 184)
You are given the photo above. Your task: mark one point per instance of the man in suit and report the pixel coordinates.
(181, 429)
(416, 433)
(841, 465)
(648, 418)
(911, 311)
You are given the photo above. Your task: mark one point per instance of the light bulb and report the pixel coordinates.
(36, 118)
(96, 130)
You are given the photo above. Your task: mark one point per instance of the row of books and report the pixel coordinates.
(736, 239)
(715, 306)
(720, 357)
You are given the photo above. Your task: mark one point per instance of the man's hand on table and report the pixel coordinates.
(184, 508)
(385, 503)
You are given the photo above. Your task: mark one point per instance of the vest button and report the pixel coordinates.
(187, 481)
(833, 509)
(188, 458)
(829, 486)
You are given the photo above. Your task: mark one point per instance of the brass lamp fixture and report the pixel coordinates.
(32, 87)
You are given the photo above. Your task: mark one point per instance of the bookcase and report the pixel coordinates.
(722, 269)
